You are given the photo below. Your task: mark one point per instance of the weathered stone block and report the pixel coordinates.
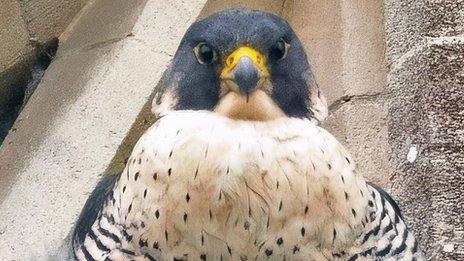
(14, 38)
(409, 21)
(360, 125)
(427, 113)
(444, 18)
(87, 33)
(74, 123)
(363, 41)
(272, 6)
(318, 24)
(345, 44)
(48, 19)
(403, 27)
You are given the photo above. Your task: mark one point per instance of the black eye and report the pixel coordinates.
(205, 53)
(278, 50)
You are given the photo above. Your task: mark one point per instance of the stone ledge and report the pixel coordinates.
(69, 131)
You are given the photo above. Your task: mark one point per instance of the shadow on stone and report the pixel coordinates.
(24, 85)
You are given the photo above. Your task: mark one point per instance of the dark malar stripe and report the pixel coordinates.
(109, 234)
(98, 242)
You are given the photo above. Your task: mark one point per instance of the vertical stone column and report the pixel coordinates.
(425, 55)
(345, 44)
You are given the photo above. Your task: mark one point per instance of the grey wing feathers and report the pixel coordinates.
(387, 197)
(386, 235)
(92, 207)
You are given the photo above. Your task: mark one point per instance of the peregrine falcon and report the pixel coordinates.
(237, 166)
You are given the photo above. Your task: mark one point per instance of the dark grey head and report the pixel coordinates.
(244, 64)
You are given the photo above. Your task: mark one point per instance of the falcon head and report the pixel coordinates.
(244, 64)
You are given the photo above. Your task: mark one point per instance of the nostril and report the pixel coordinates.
(230, 61)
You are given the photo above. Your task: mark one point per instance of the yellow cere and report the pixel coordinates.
(232, 60)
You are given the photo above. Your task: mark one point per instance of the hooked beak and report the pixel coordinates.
(244, 70)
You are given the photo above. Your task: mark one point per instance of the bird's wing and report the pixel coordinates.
(93, 207)
(190, 169)
(388, 198)
(385, 234)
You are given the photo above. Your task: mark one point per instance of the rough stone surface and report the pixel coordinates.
(345, 44)
(47, 19)
(445, 18)
(272, 6)
(427, 113)
(319, 26)
(94, 103)
(26, 26)
(363, 45)
(74, 123)
(15, 53)
(360, 125)
(14, 37)
(409, 22)
(14, 42)
(86, 32)
(426, 53)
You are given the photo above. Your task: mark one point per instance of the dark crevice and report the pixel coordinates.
(25, 84)
(337, 104)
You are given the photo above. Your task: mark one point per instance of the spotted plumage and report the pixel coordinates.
(273, 197)
(237, 168)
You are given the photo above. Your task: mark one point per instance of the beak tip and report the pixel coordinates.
(246, 75)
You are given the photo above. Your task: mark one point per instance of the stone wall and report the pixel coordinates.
(345, 43)
(393, 74)
(425, 53)
(25, 23)
(392, 71)
(108, 64)
(25, 27)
